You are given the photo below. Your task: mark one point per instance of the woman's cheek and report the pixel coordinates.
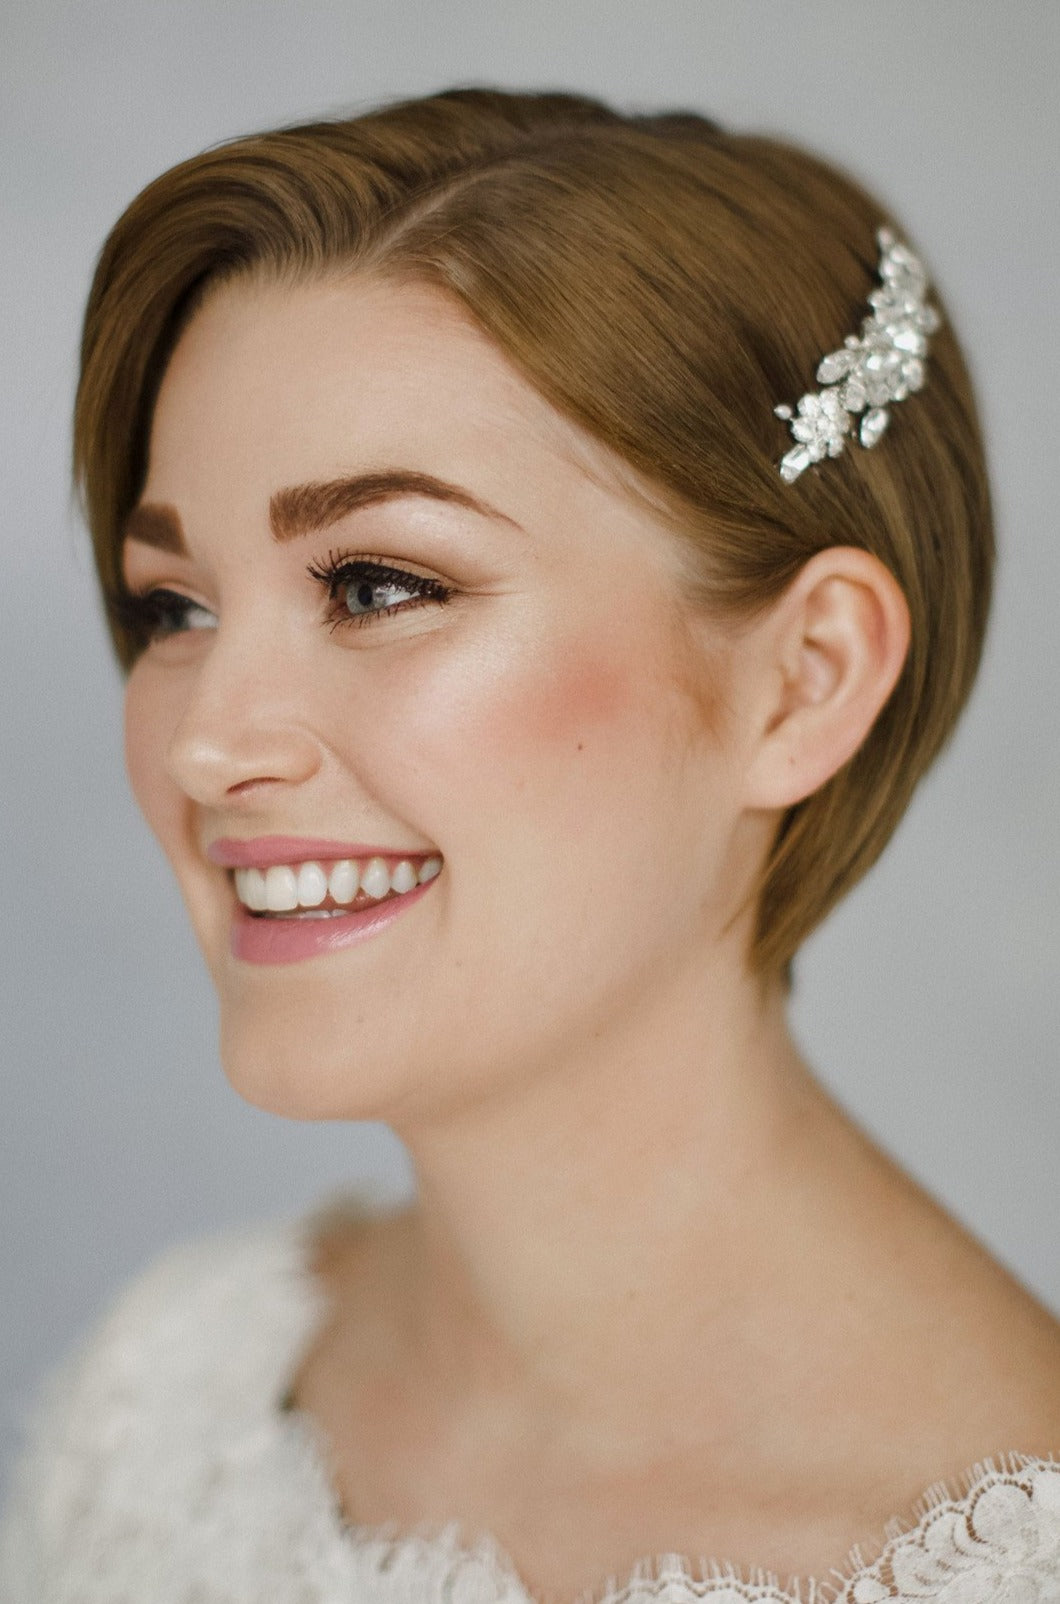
(148, 720)
(577, 699)
(549, 704)
(552, 748)
(591, 692)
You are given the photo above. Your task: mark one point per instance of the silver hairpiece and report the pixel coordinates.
(884, 363)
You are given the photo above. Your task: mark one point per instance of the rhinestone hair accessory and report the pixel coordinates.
(882, 364)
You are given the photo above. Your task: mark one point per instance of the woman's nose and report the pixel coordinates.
(242, 726)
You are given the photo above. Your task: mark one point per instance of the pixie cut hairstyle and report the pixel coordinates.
(663, 284)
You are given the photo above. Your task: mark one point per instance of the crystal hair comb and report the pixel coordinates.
(882, 364)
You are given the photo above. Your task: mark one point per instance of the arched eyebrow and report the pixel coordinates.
(301, 509)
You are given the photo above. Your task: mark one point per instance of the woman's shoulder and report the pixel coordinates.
(172, 1392)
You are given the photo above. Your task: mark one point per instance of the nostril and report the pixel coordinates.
(242, 786)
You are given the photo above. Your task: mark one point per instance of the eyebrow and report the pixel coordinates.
(155, 524)
(300, 509)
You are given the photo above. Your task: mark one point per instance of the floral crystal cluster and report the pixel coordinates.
(883, 364)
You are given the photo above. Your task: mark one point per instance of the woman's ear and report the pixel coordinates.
(832, 648)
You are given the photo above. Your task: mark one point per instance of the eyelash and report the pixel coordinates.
(151, 615)
(340, 570)
(155, 614)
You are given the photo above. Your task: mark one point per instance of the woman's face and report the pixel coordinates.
(401, 611)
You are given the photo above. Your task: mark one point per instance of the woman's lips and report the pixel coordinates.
(280, 919)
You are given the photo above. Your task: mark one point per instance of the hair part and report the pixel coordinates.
(663, 284)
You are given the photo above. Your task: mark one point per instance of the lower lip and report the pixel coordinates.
(288, 941)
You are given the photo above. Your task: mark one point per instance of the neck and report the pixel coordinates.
(586, 1230)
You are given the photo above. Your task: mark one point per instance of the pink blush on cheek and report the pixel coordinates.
(564, 704)
(603, 701)
(523, 699)
(601, 718)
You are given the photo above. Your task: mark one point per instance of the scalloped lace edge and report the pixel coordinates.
(668, 1578)
(676, 1579)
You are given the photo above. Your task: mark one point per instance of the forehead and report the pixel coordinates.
(273, 384)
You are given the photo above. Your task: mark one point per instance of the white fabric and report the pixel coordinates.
(162, 1471)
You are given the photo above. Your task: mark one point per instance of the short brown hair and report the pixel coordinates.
(664, 284)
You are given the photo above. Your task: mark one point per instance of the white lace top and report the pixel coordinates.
(163, 1471)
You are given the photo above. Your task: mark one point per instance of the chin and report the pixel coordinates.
(285, 1072)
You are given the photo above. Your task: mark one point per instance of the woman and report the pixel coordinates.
(512, 694)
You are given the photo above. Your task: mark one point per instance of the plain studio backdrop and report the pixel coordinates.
(930, 1001)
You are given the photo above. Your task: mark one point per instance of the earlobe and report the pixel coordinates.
(834, 645)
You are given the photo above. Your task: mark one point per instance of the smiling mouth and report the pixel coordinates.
(329, 890)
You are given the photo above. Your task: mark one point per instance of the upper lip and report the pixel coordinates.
(259, 852)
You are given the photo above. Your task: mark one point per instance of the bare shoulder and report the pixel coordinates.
(1014, 1344)
(979, 1352)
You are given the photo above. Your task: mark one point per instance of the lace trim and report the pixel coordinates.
(997, 1536)
(993, 1534)
(1001, 1528)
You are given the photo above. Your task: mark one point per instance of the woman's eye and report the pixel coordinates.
(158, 614)
(362, 590)
(369, 596)
(176, 613)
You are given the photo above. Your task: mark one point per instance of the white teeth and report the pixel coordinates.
(312, 885)
(343, 881)
(403, 876)
(304, 887)
(250, 889)
(281, 889)
(375, 878)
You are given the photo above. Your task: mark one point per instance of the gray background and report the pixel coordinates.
(929, 1001)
